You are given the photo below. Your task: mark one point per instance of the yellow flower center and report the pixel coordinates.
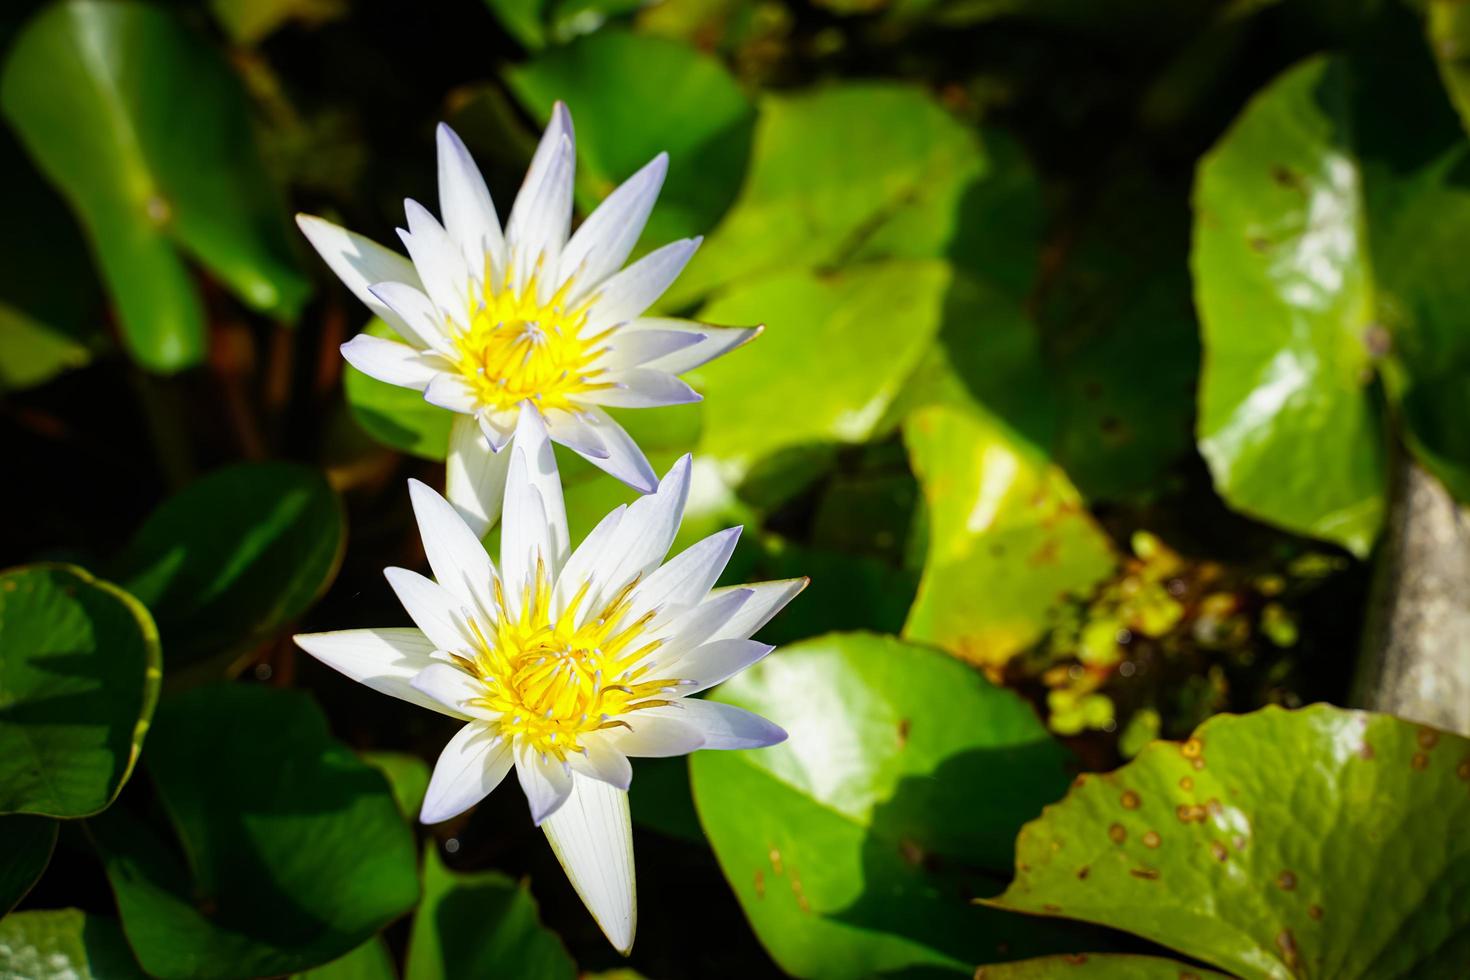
(517, 348)
(552, 681)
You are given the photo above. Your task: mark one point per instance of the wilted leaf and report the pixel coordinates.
(296, 852)
(883, 815)
(1271, 845)
(146, 132)
(79, 676)
(235, 556)
(480, 925)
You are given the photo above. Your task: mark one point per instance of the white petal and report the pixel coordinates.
(716, 661)
(451, 687)
(698, 625)
(634, 348)
(605, 240)
(630, 292)
(524, 538)
(385, 660)
(623, 458)
(602, 761)
(532, 441)
(546, 781)
(499, 425)
(474, 475)
(687, 577)
(456, 556)
(542, 214)
(592, 837)
(388, 360)
(472, 764)
(645, 532)
(713, 341)
(439, 261)
(359, 262)
(581, 565)
(453, 392)
(769, 599)
(654, 735)
(641, 388)
(433, 608)
(419, 321)
(464, 201)
(573, 430)
(724, 726)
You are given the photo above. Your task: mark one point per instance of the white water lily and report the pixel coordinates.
(493, 320)
(563, 663)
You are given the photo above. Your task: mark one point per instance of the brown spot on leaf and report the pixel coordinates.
(1218, 851)
(1286, 942)
(1049, 907)
(1075, 959)
(1190, 813)
(1366, 752)
(1152, 839)
(1463, 769)
(1147, 874)
(1192, 749)
(760, 883)
(1315, 911)
(1420, 762)
(1186, 783)
(775, 860)
(1083, 872)
(1049, 553)
(796, 890)
(1130, 800)
(1117, 834)
(903, 732)
(1286, 881)
(1428, 738)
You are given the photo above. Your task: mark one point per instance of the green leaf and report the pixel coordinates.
(370, 961)
(837, 175)
(1448, 27)
(64, 944)
(79, 676)
(235, 556)
(522, 19)
(1096, 966)
(868, 326)
(142, 126)
(296, 852)
(26, 844)
(408, 777)
(1276, 844)
(480, 925)
(252, 21)
(397, 417)
(894, 801)
(634, 96)
(1008, 536)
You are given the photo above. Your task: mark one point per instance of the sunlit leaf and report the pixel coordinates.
(894, 802)
(26, 843)
(235, 556)
(633, 97)
(142, 126)
(79, 676)
(480, 925)
(64, 944)
(1008, 536)
(408, 776)
(1271, 845)
(1097, 966)
(296, 851)
(370, 961)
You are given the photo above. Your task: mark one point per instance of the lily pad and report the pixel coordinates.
(26, 844)
(100, 92)
(1009, 537)
(1097, 966)
(79, 672)
(65, 944)
(634, 96)
(408, 778)
(480, 925)
(883, 815)
(370, 961)
(296, 851)
(235, 556)
(1276, 844)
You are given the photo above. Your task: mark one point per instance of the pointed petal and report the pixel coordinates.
(453, 392)
(623, 458)
(524, 538)
(420, 322)
(580, 566)
(716, 661)
(439, 261)
(499, 425)
(724, 726)
(630, 292)
(655, 735)
(605, 240)
(464, 201)
(388, 360)
(385, 660)
(592, 837)
(453, 688)
(456, 556)
(359, 262)
(547, 782)
(686, 578)
(769, 598)
(630, 349)
(713, 341)
(600, 760)
(433, 609)
(573, 430)
(472, 764)
(542, 214)
(645, 532)
(531, 440)
(698, 624)
(474, 475)
(642, 388)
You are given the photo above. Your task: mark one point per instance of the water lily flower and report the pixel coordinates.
(564, 663)
(493, 320)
